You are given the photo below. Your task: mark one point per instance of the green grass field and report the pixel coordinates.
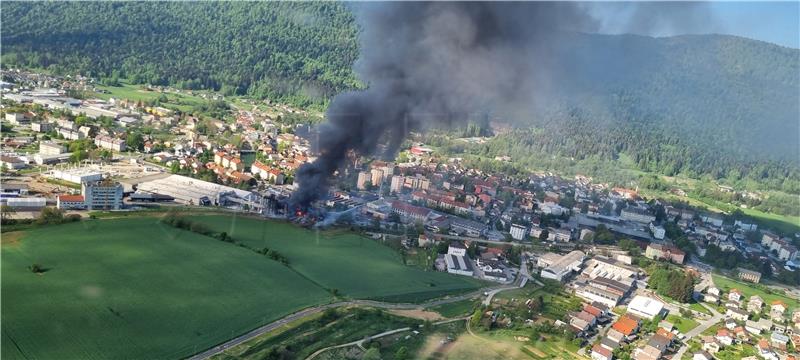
(183, 102)
(136, 288)
(748, 290)
(683, 324)
(354, 265)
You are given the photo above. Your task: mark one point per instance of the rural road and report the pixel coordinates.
(360, 343)
(705, 324)
(317, 309)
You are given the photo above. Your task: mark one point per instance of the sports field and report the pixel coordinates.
(356, 266)
(136, 288)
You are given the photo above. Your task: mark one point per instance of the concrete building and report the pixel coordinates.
(51, 148)
(18, 118)
(76, 175)
(658, 231)
(107, 142)
(363, 178)
(70, 202)
(42, 127)
(186, 190)
(376, 177)
(457, 260)
(749, 275)
(637, 214)
(70, 134)
(25, 203)
(397, 183)
(645, 307)
(518, 232)
(666, 252)
(102, 195)
(564, 266)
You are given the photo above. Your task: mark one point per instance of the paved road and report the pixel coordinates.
(704, 325)
(317, 309)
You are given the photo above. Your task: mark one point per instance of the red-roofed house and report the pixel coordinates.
(69, 202)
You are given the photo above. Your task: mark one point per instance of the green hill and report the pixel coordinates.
(719, 106)
(295, 52)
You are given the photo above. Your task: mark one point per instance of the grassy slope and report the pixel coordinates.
(183, 102)
(137, 289)
(358, 267)
(726, 284)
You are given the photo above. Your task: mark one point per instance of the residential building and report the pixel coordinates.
(18, 118)
(666, 252)
(777, 309)
(51, 148)
(397, 184)
(376, 177)
(42, 127)
(518, 232)
(655, 347)
(70, 134)
(601, 353)
(736, 314)
(107, 142)
(749, 275)
(102, 195)
(410, 212)
(755, 304)
(364, 177)
(724, 337)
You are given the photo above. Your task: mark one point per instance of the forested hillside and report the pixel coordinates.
(297, 52)
(708, 105)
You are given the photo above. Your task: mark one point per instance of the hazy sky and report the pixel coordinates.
(775, 22)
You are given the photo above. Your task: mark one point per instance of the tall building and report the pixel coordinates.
(102, 195)
(397, 183)
(377, 176)
(363, 178)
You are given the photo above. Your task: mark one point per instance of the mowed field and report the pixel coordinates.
(136, 288)
(355, 266)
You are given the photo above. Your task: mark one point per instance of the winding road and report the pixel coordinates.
(317, 309)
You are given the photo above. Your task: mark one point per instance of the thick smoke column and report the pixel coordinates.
(435, 63)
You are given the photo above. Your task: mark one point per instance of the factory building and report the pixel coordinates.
(191, 191)
(76, 175)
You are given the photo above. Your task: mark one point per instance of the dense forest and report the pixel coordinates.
(295, 52)
(717, 107)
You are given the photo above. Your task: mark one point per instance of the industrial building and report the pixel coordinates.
(191, 191)
(564, 266)
(76, 175)
(645, 307)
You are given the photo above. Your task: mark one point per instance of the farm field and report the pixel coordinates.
(355, 266)
(136, 288)
(748, 290)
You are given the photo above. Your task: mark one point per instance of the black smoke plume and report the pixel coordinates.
(434, 64)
